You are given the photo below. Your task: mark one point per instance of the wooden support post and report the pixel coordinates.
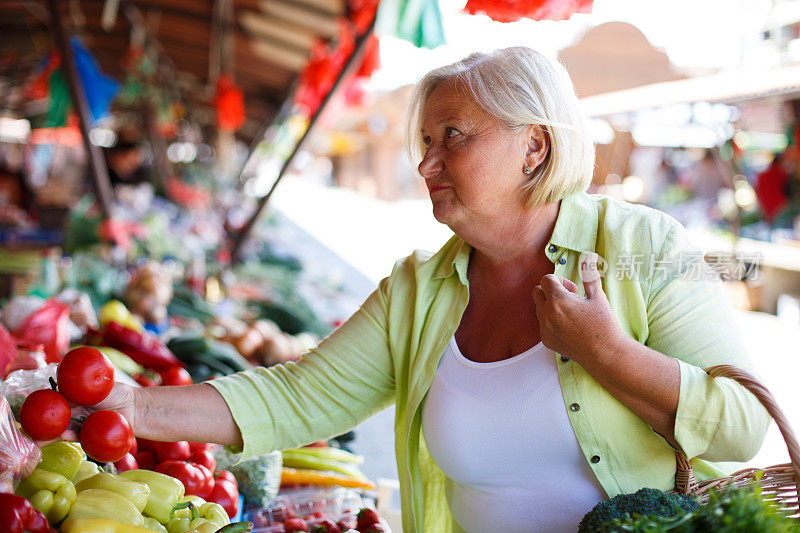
(241, 237)
(97, 163)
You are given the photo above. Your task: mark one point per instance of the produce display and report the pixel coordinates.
(157, 331)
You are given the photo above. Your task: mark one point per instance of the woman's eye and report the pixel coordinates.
(452, 132)
(426, 141)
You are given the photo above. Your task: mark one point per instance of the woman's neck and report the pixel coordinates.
(514, 243)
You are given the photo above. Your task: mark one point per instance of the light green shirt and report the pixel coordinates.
(388, 351)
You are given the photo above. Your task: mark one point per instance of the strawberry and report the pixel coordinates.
(295, 524)
(367, 517)
(324, 525)
(375, 528)
(347, 522)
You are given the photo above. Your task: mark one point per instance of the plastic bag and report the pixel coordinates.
(49, 326)
(28, 358)
(8, 350)
(19, 455)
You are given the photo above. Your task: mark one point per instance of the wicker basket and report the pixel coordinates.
(778, 482)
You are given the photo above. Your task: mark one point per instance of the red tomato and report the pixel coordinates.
(175, 375)
(146, 460)
(226, 476)
(106, 436)
(205, 458)
(126, 463)
(194, 477)
(85, 376)
(134, 446)
(226, 494)
(172, 451)
(44, 414)
(200, 446)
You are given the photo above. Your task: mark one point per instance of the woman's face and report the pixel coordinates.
(473, 163)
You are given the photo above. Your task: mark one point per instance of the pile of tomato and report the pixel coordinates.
(85, 377)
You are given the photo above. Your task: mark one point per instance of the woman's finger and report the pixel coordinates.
(551, 286)
(569, 285)
(538, 296)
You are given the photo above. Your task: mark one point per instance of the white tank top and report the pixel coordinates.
(501, 434)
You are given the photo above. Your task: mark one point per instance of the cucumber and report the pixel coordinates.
(188, 344)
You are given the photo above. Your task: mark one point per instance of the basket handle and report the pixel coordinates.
(684, 476)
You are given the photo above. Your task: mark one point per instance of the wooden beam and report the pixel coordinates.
(278, 55)
(322, 25)
(258, 25)
(97, 164)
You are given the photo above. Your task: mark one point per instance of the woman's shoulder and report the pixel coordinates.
(424, 264)
(632, 227)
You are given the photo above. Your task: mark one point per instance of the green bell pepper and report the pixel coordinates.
(165, 491)
(135, 491)
(50, 493)
(194, 513)
(101, 503)
(62, 458)
(86, 469)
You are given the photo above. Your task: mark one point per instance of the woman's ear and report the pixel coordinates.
(537, 147)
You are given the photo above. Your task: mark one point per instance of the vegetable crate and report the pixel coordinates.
(778, 483)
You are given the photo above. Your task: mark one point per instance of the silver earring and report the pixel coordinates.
(527, 170)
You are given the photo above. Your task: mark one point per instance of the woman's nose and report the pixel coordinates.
(432, 164)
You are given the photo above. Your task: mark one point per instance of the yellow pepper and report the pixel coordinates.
(153, 524)
(291, 476)
(86, 469)
(115, 311)
(50, 493)
(165, 491)
(134, 491)
(194, 512)
(62, 458)
(99, 525)
(101, 503)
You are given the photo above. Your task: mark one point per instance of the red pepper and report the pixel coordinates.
(18, 515)
(205, 458)
(227, 476)
(226, 494)
(200, 446)
(172, 451)
(209, 482)
(145, 349)
(197, 480)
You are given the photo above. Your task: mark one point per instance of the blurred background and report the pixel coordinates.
(254, 147)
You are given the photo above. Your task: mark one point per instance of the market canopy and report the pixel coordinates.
(262, 44)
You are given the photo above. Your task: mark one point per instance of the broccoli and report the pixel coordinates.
(730, 510)
(645, 502)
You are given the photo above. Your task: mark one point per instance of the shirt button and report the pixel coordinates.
(552, 248)
(564, 359)
(574, 407)
(595, 459)
(562, 260)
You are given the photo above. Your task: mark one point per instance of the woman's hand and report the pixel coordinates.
(573, 325)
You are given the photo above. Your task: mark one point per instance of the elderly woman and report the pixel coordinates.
(529, 382)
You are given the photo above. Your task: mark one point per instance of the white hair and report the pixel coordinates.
(520, 87)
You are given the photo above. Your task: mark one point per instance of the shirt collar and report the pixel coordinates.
(576, 229)
(576, 225)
